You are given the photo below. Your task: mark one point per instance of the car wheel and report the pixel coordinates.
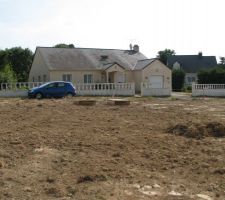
(39, 96)
(69, 95)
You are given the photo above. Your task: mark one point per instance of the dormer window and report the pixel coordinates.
(176, 65)
(104, 57)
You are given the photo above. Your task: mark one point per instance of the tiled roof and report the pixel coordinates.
(192, 63)
(87, 58)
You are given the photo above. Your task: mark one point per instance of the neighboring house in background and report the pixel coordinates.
(87, 65)
(191, 64)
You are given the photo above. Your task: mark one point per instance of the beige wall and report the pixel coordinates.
(38, 69)
(77, 76)
(158, 68)
(137, 74)
(129, 76)
(155, 68)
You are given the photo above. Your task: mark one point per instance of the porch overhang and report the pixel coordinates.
(114, 67)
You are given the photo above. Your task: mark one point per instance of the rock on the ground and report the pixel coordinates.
(203, 196)
(173, 193)
(156, 186)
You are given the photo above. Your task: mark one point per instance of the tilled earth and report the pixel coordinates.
(56, 149)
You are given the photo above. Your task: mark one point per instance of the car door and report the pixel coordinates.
(51, 90)
(61, 89)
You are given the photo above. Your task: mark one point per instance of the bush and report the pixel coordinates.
(178, 79)
(215, 75)
(7, 75)
(187, 89)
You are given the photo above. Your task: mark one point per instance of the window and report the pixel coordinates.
(191, 79)
(88, 78)
(104, 57)
(67, 77)
(44, 78)
(176, 65)
(39, 78)
(61, 84)
(33, 79)
(51, 85)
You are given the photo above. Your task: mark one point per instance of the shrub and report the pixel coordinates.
(187, 89)
(215, 75)
(178, 79)
(7, 75)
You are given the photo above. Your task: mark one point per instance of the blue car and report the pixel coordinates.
(53, 89)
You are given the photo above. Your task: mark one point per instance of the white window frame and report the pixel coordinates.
(67, 77)
(88, 78)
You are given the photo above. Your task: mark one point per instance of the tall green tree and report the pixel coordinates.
(163, 55)
(62, 45)
(20, 60)
(178, 76)
(3, 59)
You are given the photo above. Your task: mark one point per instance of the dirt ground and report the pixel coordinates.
(56, 149)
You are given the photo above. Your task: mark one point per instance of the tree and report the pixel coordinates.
(163, 55)
(20, 60)
(7, 75)
(222, 61)
(178, 79)
(215, 75)
(3, 59)
(62, 45)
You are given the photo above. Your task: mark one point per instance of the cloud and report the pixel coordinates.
(187, 26)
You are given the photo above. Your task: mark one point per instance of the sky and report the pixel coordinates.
(186, 26)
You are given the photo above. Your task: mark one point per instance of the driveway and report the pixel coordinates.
(181, 95)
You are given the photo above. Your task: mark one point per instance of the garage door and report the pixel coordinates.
(156, 81)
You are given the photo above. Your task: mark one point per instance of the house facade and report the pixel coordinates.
(86, 65)
(191, 64)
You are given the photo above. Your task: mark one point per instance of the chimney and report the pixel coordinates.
(200, 54)
(136, 48)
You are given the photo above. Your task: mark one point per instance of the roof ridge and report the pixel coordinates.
(190, 55)
(148, 59)
(84, 48)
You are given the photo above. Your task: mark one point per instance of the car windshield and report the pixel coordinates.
(41, 86)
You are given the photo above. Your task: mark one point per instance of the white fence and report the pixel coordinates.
(17, 89)
(19, 86)
(93, 89)
(147, 90)
(106, 89)
(211, 90)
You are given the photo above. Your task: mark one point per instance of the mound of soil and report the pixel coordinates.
(198, 130)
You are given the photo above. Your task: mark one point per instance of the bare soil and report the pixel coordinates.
(154, 148)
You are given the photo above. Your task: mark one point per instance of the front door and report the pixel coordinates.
(120, 77)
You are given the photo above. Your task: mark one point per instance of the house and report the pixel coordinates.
(191, 64)
(87, 65)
